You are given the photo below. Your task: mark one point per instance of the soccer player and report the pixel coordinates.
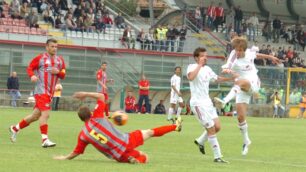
(175, 95)
(102, 85)
(44, 70)
(302, 105)
(199, 76)
(108, 140)
(241, 62)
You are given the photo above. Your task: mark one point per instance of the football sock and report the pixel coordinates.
(22, 124)
(243, 126)
(178, 113)
(170, 113)
(215, 146)
(44, 132)
(159, 131)
(203, 138)
(106, 110)
(235, 89)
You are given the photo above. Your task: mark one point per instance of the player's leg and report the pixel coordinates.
(179, 109)
(239, 85)
(43, 125)
(160, 131)
(147, 103)
(243, 126)
(171, 111)
(140, 101)
(14, 129)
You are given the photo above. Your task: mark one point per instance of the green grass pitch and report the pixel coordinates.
(277, 145)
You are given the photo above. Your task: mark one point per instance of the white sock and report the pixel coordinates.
(243, 126)
(235, 89)
(215, 146)
(203, 138)
(178, 113)
(170, 113)
(44, 136)
(17, 127)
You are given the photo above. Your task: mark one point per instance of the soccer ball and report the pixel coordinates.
(119, 118)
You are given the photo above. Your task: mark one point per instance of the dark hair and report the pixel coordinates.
(104, 63)
(84, 113)
(177, 68)
(198, 50)
(51, 40)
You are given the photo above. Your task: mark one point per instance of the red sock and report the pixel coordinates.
(22, 124)
(159, 131)
(106, 110)
(44, 131)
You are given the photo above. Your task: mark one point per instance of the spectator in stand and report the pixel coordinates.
(48, 15)
(32, 19)
(203, 15)
(171, 37)
(100, 25)
(107, 20)
(141, 38)
(130, 102)
(149, 40)
(198, 18)
(253, 25)
(128, 37)
(14, 7)
(211, 14)
(70, 24)
(57, 95)
(160, 108)
(58, 22)
(24, 11)
(267, 30)
(119, 21)
(88, 23)
(182, 37)
(80, 24)
(13, 87)
(229, 23)
(77, 12)
(219, 16)
(277, 24)
(238, 19)
(144, 86)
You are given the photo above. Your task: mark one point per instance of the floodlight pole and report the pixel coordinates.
(151, 12)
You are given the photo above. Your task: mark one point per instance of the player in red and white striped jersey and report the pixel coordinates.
(108, 140)
(44, 70)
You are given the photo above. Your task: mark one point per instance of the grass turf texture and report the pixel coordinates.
(278, 145)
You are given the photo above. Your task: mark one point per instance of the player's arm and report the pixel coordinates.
(192, 74)
(225, 79)
(62, 73)
(175, 90)
(83, 95)
(66, 157)
(34, 65)
(275, 60)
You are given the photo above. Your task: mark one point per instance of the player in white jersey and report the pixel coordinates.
(199, 76)
(241, 62)
(175, 96)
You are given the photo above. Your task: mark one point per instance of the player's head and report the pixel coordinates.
(177, 70)
(84, 113)
(200, 53)
(240, 45)
(129, 93)
(103, 66)
(14, 74)
(51, 46)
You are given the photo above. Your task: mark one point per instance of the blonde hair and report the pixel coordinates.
(239, 42)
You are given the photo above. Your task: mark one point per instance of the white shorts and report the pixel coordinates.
(245, 97)
(205, 115)
(175, 98)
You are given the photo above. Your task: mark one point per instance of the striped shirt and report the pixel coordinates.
(99, 132)
(101, 76)
(41, 66)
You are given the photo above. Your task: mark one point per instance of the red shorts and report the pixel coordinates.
(135, 140)
(42, 102)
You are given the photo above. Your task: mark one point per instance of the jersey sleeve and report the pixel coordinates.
(99, 75)
(172, 80)
(190, 68)
(212, 75)
(34, 65)
(81, 145)
(62, 72)
(99, 109)
(230, 61)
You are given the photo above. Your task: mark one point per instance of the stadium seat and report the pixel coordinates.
(15, 29)
(2, 29)
(33, 31)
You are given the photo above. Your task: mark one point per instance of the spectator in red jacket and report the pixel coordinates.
(130, 102)
(107, 20)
